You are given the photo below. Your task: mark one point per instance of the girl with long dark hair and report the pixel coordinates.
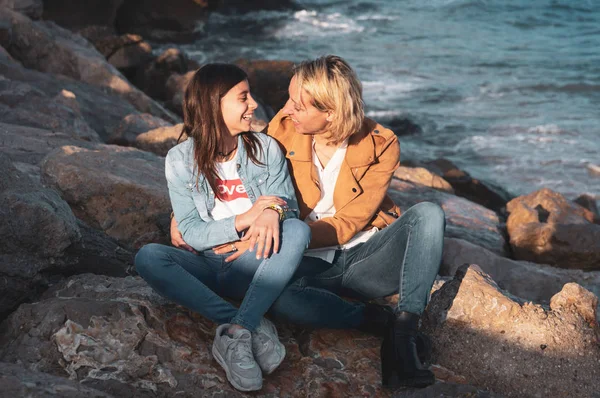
(229, 188)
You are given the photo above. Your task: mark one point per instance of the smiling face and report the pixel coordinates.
(237, 107)
(306, 117)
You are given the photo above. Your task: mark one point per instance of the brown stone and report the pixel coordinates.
(124, 52)
(121, 191)
(529, 281)
(269, 80)
(160, 140)
(133, 125)
(544, 227)
(175, 90)
(420, 175)
(47, 47)
(513, 348)
(464, 219)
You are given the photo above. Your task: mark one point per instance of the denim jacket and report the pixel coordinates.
(192, 205)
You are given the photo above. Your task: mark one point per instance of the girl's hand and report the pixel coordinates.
(245, 220)
(264, 233)
(240, 246)
(177, 238)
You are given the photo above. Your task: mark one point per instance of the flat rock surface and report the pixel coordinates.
(464, 219)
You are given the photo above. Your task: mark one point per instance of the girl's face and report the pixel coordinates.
(237, 107)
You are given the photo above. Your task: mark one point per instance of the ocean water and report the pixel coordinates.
(509, 90)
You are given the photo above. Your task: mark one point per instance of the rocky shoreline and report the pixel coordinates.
(87, 114)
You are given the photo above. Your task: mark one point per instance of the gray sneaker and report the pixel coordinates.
(267, 349)
(234, 354)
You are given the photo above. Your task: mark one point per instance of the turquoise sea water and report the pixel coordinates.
(507, 89)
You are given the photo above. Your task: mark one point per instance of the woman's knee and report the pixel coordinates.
(148, 258)
(431, 212)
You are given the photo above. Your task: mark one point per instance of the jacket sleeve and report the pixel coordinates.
(353, 217)
(196, 232)
(279, 182)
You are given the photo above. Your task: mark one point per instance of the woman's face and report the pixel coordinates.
(237, 107)
(307, 119)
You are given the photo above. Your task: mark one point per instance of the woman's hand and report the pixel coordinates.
(241, 247)
(264, 233)
(177, 238)
(245, 220)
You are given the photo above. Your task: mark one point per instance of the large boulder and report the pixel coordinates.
(530, 281)
(121, 191)
(32, 8)
(512, 348)
(269, 80)
(161, 139)
(118, 336)
(41, 240)
(175, 21)
(544, 227)
(133, 125)
(47, 47)
(420, 175)
(102, 110)
(464, 219)
(16, 381)
(25, 105)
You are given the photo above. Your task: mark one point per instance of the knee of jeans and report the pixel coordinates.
(431, 212)
(147, 258)
(297, 230)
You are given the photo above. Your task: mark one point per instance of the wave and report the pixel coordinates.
(312, 23)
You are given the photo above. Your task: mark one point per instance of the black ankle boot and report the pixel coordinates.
(400, 364)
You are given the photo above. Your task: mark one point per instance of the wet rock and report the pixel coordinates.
(152, 78)
(545, 227)
(160, 140)
(101, 110)
(464, 219)
(269, 80)
(403, 126)
(481, 192)
(16, 381)
(530, 281)
(75, 14)
(422, 176)
(121, 191)
(46, 47)
(32, 8)
(133, 125)
(511, 348)
(26, 105)
(175, 21)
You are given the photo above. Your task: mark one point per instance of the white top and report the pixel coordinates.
(233, 198)
(328, 176)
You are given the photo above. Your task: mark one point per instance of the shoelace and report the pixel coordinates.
(243, 351)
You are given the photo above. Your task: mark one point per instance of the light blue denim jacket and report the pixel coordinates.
(192, 205)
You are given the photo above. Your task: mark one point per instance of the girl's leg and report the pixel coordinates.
(188, 279)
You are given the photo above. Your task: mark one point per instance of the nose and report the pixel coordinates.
(252, 104)
(288, 108)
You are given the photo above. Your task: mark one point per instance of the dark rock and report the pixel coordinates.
(464, 219)
(32, 8)
(132, 126)
(494, 341)
(152, 78)
(124, 52)
(121, 191)
(175, 90)
(74, 14)
(481, 192)
(403, 126)
(175, 21)
(46, 47)
(16, 381)
(589, 202)
(544, 227)
(269, 80)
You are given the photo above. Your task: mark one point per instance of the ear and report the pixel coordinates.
(329, 117)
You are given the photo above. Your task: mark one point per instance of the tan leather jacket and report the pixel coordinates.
(360, 197)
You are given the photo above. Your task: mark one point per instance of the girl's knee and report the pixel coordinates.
(297, 230)
(147, 258)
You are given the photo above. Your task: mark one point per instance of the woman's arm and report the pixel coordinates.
(353, 217)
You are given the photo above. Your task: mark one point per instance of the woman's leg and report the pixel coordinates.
(188, 279)
(267, 278)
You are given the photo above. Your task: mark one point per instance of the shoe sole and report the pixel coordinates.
(221, 362)
(270, 370)
(420, 382)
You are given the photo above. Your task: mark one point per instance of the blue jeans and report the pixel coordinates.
(199, 282)
(402, 258)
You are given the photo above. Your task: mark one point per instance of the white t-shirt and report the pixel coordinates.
(232, 199)
(328, 176)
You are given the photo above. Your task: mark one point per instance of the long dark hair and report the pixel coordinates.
(203, 117)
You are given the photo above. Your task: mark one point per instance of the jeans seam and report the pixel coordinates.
(403, 268)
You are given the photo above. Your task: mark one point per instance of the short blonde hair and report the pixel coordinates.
(333, 86)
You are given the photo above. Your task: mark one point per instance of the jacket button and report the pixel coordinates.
(238, 166)
(376, 131)
(353, 189)
(292, 153)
